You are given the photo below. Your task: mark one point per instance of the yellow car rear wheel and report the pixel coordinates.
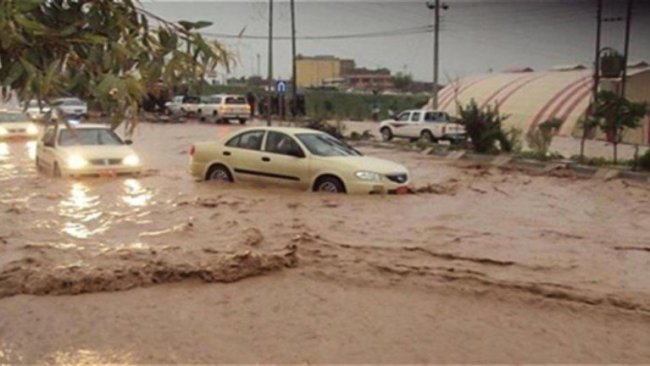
(220, 173)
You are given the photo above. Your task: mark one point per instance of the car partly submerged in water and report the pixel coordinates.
(14, 124)
(87, 149)
(296, 157)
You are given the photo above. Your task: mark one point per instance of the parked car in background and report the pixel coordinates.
(91, 149)
(295, 157)
(15, 124)
(428, 125)
(183, 105)
(36, 112)
(224, 107)
(72, 107)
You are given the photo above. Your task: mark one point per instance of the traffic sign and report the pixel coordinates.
(280, 87)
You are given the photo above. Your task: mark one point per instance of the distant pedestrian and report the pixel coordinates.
(375, 112)
(250, 99)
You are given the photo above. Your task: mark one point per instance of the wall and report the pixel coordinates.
(312, 71)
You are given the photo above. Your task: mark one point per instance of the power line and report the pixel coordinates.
(386, 33)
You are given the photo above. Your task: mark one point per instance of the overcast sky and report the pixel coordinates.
(476, 35)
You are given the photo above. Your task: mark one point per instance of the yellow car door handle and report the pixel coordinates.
(227, 153)
(266, 158)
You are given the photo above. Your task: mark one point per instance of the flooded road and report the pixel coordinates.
(517, 248)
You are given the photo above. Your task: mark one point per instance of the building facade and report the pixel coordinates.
(314, 71)
(532, 97)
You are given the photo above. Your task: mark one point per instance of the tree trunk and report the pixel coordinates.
(615, 152)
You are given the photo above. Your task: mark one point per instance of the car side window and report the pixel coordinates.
(404, 116)
(48, 137)
(251, 140)
(280, 143)
(433, 117)
(415, 117)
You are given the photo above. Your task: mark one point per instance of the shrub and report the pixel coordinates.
(644, 161)
(483, 126)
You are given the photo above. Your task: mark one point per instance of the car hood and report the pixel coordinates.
(368, 163)
(10, 125)
(98, 152)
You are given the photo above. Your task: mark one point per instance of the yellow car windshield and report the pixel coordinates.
(321, 144)
(89, 137)
(13, 117)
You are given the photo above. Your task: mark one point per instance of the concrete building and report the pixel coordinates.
(532, 97)
(365, 79)
(314, 71)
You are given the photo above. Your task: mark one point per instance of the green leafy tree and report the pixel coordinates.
(615, 114)
(103, 51)
(402, 81)
(484, 127)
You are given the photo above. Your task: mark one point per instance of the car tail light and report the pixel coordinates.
(192, 150)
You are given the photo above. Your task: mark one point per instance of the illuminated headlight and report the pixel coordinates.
(368, 176)
(76, 162)
(3, 131)
(131, 160)
(32, 130)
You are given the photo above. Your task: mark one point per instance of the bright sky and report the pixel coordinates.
(476, 36)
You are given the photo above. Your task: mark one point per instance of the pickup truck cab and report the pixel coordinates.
(431, 126)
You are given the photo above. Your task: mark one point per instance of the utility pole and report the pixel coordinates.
(270, 75)
(628, 24)
(259, 65)
(599, 21)
(599, 24)
(294, 74)
(435, 6)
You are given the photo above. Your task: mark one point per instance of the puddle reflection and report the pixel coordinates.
(135, 194)
(4, 150)
(31, 149)
(89, 212)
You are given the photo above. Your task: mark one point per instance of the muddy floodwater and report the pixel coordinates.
(485, 264)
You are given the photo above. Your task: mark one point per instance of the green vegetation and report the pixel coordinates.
(615, 114)
(484, 128)
(100, 51)
(644, 161)
(322, 104)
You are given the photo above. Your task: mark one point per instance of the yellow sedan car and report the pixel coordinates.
(16, 125)
(91, 149)
(296, 157)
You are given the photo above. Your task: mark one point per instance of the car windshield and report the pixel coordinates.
(321, 144)
(235, 100)
(71, 102)
(89, 137)
(192, 100)
(13, 117)
(34, 104)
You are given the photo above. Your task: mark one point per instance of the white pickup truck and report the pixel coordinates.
(431, 126)
(182, 106)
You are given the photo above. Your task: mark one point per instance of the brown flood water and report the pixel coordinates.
(488, 265)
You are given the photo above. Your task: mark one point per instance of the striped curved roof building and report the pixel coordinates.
(530, 98)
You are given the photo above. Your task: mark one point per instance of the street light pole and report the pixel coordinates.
(628, 24)
(435, 6)
(270, 70)
(294, 73)
(596, 77)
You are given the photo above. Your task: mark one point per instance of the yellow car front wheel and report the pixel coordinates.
(329, 184)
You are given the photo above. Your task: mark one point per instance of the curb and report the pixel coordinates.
(604, 173)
